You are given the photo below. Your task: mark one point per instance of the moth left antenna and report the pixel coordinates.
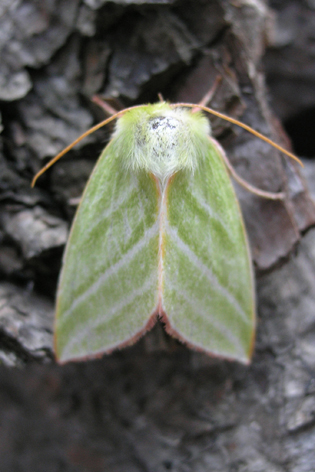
(84, 135)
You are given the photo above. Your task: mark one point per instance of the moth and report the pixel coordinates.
(158, 234)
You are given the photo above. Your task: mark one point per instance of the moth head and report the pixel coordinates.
(161, 140)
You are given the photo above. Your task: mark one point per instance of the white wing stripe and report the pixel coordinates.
(215, 323)
(212, 214)
(115, 204)
(213, 281)
(86, 330)
(124, 261)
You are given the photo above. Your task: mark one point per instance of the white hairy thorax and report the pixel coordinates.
(163, 142)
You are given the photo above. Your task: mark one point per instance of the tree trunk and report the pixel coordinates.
(157, 405)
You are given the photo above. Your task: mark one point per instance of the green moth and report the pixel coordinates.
(158, 235)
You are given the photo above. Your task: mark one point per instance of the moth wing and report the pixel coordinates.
(108, 284)
(208, 288)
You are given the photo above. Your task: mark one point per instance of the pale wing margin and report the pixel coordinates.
(108, 284)
(208, 288)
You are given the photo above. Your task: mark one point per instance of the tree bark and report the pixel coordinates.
(157, 405)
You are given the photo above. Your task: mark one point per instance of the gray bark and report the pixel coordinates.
(157, 405)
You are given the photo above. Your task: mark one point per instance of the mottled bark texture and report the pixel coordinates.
(155, 406)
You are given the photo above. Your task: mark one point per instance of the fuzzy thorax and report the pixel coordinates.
(161, 140)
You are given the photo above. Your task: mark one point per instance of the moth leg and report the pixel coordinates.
(105, 105)
(210, 94)
(75, 201)
(244, 183)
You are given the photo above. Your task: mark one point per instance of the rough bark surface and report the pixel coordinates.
(155, 406)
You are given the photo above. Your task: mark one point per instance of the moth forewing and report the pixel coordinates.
(108, 283)
(209, 294)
